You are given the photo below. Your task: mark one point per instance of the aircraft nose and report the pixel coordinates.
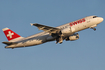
(101, 19)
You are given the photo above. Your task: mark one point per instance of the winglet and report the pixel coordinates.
(31, 24)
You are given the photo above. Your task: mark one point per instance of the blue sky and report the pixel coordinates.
(87, 53)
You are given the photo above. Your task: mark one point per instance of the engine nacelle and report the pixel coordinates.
(73, 37)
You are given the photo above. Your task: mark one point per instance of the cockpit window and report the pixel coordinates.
(94, 16)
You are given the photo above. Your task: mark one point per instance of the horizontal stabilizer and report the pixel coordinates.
(8, 43)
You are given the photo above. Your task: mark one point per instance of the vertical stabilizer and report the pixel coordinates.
(11, 35)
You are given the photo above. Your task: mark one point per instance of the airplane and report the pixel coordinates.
(68, 32)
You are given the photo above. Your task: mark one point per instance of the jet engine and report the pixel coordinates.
(73, 37)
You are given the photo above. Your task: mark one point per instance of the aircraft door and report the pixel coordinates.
(72, 29)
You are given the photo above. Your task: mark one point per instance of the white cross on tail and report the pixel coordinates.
(10, 34)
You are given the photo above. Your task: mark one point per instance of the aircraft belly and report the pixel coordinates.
(50, 38)
(34, 42)
(25, 44)
(67, 34)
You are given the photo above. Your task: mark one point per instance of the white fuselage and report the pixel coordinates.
(67, 30)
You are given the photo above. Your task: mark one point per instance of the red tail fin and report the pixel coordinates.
(10, 34)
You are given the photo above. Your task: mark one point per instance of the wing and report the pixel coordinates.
(51, 30)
